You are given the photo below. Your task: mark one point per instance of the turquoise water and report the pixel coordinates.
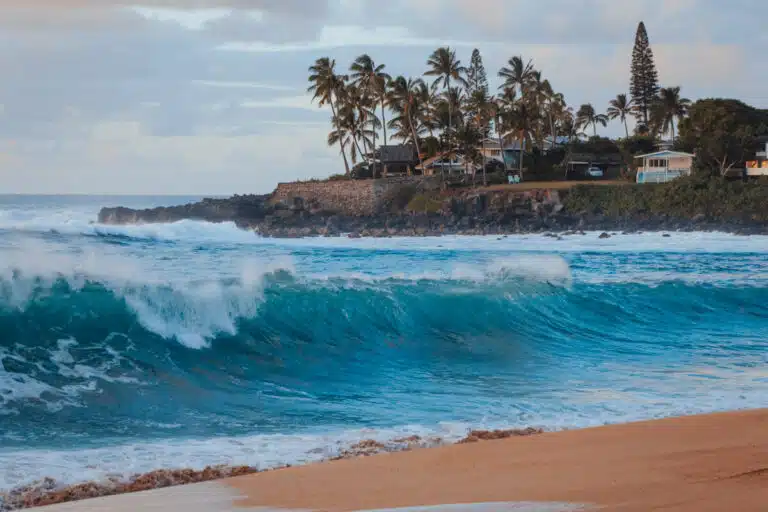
(127, 349)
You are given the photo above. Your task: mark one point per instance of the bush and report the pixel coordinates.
(423, 203)
(683, 198)
(399, 197)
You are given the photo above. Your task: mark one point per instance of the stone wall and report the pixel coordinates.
(357, 198)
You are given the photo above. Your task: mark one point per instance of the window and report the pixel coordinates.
(657, 162)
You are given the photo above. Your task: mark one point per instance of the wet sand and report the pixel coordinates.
(697, 464)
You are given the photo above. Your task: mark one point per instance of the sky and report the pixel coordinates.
(209, 96)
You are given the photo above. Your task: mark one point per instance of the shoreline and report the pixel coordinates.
(374, 475)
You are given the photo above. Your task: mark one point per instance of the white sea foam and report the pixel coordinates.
(589, 408)
(190, 310)
(694, 242)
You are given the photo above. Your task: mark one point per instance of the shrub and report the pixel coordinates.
(423, 203)
(683, 198)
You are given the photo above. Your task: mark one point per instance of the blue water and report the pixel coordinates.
(126, 349)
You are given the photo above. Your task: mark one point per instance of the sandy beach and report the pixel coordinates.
(702, 463)
(699, 463)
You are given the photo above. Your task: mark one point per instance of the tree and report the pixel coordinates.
(405, 93)
(644, 83)
(517, 75)
(446, 68)
(373, 80)
(477, 79)
(364, 121)
(722, 133)
(325, 87)
(484, 109)
(502, 112)
(344, 133)
(619, 108)
(670, 106)
(587, 116)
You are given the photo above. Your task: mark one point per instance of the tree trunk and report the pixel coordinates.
(522, 152)
(383, 120)
(673, 129)
(594, 129)
(357, 145)
(341, 146)
(552, 130)
(416, 142)
(626, 128)
(501, 144)
(485, 164)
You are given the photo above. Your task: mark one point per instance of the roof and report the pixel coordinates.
(494, 144)
(429, 161)
(665, 153)
(398, 153)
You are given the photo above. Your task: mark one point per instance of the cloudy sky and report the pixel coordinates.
(208, 96)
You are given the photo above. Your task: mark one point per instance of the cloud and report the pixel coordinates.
(209, 96)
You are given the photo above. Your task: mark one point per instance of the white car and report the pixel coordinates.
(595, 172)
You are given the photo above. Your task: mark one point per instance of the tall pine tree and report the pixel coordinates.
(477, 79)
(644, 84)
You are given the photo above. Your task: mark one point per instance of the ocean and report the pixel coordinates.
(125, 349)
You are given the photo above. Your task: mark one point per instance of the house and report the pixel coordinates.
(508, 154)
(398, 159)
(445, 163)
(664, 166)
(559, 141)
(758, 166)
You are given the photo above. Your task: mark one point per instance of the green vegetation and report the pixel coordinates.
(423, 203)
(723, 134)
(683, 198)
(644, 81)
(453, 110)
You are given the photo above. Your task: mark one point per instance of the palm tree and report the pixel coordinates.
(517, 76)
(483, 107)
(619, 108)
(446, 68)
(670, 106)
(362, 105)
(503, 109)
(523, 118)
(343, 134)
(447, 110)
(428, 106)
(404, 94)
(325, 87)
(587, 116)
(372, 79)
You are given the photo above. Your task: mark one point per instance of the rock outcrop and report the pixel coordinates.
(414, 211)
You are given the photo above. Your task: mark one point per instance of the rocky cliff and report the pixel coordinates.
(411, 209)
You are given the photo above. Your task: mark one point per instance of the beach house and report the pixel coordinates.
(759, 166)
(664, 166)
(445, 163)
(508, 154)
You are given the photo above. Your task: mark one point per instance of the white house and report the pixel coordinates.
(492, 151)
(446, 164)
(664, 166)
(759, 166)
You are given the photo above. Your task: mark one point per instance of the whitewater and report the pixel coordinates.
(125, 349)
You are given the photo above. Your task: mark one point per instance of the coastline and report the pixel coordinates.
(692, 463)
(404, 210)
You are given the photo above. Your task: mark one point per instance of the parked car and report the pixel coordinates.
(594, 172)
